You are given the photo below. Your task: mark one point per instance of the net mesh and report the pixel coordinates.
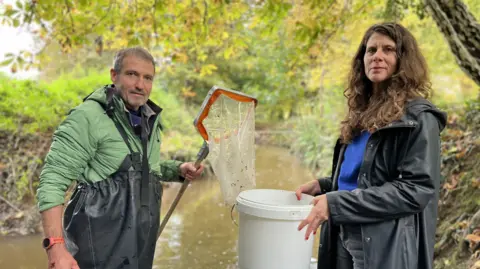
(230, 126)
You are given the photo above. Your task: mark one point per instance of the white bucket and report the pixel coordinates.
(268, 230)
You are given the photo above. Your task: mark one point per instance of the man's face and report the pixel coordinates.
(134, 82)
(380, 58)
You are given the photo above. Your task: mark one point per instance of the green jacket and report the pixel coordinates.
(87, 147)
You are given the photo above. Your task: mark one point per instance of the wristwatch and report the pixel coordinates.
(50, 241)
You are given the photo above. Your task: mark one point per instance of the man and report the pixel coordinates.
(113, 216)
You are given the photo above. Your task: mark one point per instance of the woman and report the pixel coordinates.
(378, 209)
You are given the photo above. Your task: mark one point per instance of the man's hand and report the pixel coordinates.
(317, 216)
(188, 171)
(60, 258)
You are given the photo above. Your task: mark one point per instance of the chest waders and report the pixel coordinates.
(113, 223)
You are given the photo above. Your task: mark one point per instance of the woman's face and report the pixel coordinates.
(380, 58)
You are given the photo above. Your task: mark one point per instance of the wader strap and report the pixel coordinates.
(123, 133)
(110, 91)
(144, 194)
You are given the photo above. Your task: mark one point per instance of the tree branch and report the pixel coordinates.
(155, 22)
(90, 30)
(341, 23)
(205, 14)
(461, 31)
(9, 204)
(69, 10)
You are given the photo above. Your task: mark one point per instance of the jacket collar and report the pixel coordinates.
(149, 109)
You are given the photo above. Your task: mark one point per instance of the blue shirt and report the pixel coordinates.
(135, 117)
(353, 157)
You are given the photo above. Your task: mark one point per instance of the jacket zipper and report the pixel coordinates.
(409, 125)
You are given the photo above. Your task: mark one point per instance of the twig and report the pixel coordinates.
(155, 32)
(205, 14)
(107, 12)
(445, 240)
(32, 170)
(69, 9)
(17, 140)
(474, 222)
(29, 16)
(90, 30)
(13, 168)
(341, 23)
(10, 204)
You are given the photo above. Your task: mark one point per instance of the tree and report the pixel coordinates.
(462, 32)
(278, 50)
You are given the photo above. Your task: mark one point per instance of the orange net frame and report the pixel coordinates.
(227, 122)
(216, 92)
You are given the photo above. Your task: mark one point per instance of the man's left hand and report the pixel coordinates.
(317, 216)
(189, 172)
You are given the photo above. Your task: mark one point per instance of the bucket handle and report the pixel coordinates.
(231, 215)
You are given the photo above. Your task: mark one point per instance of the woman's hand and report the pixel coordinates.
(310, 188)
(317, 216)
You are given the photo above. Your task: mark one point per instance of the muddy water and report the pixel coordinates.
(200, 234)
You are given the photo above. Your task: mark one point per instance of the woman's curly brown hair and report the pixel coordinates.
(367, 111)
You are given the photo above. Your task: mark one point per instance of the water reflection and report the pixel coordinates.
(206, 233)
(200, 234)
(22, 253)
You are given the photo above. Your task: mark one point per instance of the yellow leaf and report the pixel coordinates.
(314, 50)
(228, 53)
(253, 22)
(180, 57)
(19, 215)
(187, 92)
(476, 183)
(225, 35)
(207, 69)
(202, 56)
(463, 224)
(169, 70)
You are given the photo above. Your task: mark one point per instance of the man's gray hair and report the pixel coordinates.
(135, 51)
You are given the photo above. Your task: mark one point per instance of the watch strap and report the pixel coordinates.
(50, 241)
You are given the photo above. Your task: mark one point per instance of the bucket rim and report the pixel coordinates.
(241, 199)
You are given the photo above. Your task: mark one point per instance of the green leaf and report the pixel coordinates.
(10, 12)
(228, 53)
(20, 60)
(6, 62)
(82, 3)
(19, 4)
(16, 23)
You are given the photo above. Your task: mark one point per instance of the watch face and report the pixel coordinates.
(46, 243)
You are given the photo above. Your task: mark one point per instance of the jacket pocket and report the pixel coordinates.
(409, 249)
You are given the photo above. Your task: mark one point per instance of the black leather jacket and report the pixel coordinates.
(397, 196)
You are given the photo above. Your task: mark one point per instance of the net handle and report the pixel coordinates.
(212, 96)
(201, 155)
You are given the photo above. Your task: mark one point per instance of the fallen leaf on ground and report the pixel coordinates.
(476, 265)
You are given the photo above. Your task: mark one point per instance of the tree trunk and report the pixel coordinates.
(462, 32)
